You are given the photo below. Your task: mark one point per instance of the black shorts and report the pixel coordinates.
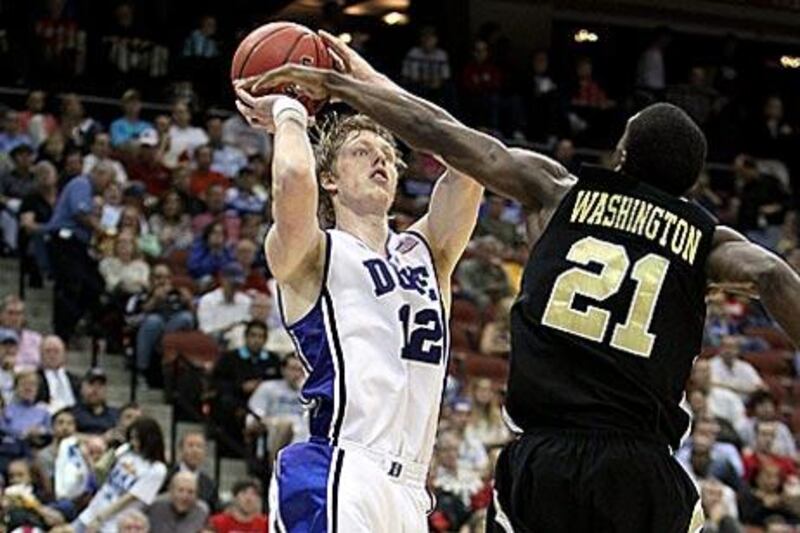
(566, 481)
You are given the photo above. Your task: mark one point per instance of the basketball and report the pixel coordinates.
(276, 44)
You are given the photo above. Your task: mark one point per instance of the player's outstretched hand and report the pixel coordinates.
(348, 60)
(299, 79)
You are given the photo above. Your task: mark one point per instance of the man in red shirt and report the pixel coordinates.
(243, 515)
(763, 453)
(203, 177)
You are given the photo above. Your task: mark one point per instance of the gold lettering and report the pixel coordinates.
(654, 223)
(613, 204)
(624, 211)
(583, 204)
(679, 237)
(669, 220)
(599, 209)
(641, 217)
(692, 243)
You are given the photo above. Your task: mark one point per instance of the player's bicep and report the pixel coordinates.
(736, 261)
(540, 181)
(290, 256)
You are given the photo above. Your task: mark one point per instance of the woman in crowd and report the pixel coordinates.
(486, 423)
(171, 224)
(125, 272)
(209, 253)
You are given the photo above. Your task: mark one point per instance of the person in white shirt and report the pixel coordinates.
(762, 406)
(222, 309)
(133, 482)
(650, 71)
(58, 387)
(721, 402)
(183, 137)
(730, 372)
(471, 452)
(228, 159)
(101, 152)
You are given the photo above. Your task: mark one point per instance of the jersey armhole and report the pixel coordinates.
(323, 287)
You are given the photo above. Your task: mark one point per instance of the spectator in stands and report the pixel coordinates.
(541, 95)
(133, 220)
(708, 430)
(762, 453)
(14, 186)
(772, 495)
(76, 127)
(486, 424)
(179, 511)
(53, 149)
(129, 126)
(651, 77)
(23, 417)
(73, 167)
(59, 51)
(238, 373)
(146, 165)
(481, 276)
(201, 43)
(243, 198)
(183, 137)
(171, 224)
(211, 209)
(78, 284)
(193, 451)
(58, 387)
(564, 153)
(125, 273)
(23, 500)
(245, 253)
(162, 309)
(704, 460)
(134, 480)
(9, 344)
(118, 435)
(260, 309)
(722, 403)
(762, 203)
(133, 521)
(12, 316)
(426, 68)
(471, 452)
(730, 372)
(209, 253)
(588, 92)
(227, 158)
(697, 97)
(454, 484)
(203, 177)
(762, 406)
(719, 507)
(243, 516)
(101, 151)
(254, 142)
(35, 120)
(281, 414)
(64, 427)
(772, 137)
(92, 413)
(481, 81)
(34, 212)
(492, 223)
(12, 134)
(496, 334)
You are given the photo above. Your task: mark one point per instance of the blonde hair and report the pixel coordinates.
(491, 413)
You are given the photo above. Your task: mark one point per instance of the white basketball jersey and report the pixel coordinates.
(375, 347)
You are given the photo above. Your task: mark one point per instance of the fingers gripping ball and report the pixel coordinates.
(276, 44)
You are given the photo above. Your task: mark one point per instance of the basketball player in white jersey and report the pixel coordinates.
(367, 309)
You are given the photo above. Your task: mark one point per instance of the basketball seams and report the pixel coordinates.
(258, 44)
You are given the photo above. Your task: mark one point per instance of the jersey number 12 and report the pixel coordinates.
(424, 327)
(649, 273)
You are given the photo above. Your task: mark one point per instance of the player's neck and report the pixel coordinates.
(371, 229)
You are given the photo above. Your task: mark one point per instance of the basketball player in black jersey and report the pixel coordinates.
(611, 311)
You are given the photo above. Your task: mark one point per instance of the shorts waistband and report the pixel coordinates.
(398, 468)
(602, 433)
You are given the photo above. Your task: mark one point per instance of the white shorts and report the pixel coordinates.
(317, 488)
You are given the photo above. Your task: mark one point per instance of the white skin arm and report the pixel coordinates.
(450, 220)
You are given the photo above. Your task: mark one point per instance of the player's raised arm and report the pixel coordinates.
(295, 239)
(532, 179)
(736, 260)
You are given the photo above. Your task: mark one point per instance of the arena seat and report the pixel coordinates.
(464, 310)
(485, 366)
(772, 362)
(773, 336)
(180, 281)
(177, 262)
(195, 347)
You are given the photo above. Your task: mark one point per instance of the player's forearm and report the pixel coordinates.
(294, 186)
(779, 287)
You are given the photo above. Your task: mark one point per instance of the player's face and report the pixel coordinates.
(366, 172)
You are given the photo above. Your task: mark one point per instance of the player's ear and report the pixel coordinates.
(328, 182)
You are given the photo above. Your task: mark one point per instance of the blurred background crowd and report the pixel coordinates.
(134, 203)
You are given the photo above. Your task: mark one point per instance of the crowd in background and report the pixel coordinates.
(150, 223)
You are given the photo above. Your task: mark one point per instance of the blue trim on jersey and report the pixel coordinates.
(304, 473)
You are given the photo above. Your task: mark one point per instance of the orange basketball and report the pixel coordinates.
(276, 44)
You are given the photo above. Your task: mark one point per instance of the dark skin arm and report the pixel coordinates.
(749, 268)
(532, 179)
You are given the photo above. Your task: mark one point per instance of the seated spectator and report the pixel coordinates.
(730, 372)
(255, 142)
(23, 500)
(183, 137)
(179, 511)
(244, 514)
(703, 463)
(486, 424)
(203, 177)
(209, 253)
(220, 310)
(23, 417)
(260, 309)
(426, 68)
(763, 202)
(14, 186)
(171, 224)
(707, 429)
(145, 165)
(278, 406)
(697, 97)
(762, 406)
(52, 150)
(228, 159)
(254, 279)
(34, 212)
(771, 495)
(212, 209)
(125, 273)
(496, 335)
(133, 521)
(721, 402)
(719, 507)
(491, 221)
(36, 120)
(762, 453)
(192, 450)
(134, 480)
(481, 81)
(243, 197)
(11, 132)
(75, 474)
(118, 435)
(92, 413)
(162, 309)
(12, 316)
(454, 484)
(588, 92)
(76, 127)
(772, 136)
(723, 429)
(237, 374)
(8, 351)
(481, 277)
(101, 151)
(471, 452)
(129, 126)
(58, 387)
(63, 422)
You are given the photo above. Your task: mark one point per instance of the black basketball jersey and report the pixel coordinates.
(610, 315)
